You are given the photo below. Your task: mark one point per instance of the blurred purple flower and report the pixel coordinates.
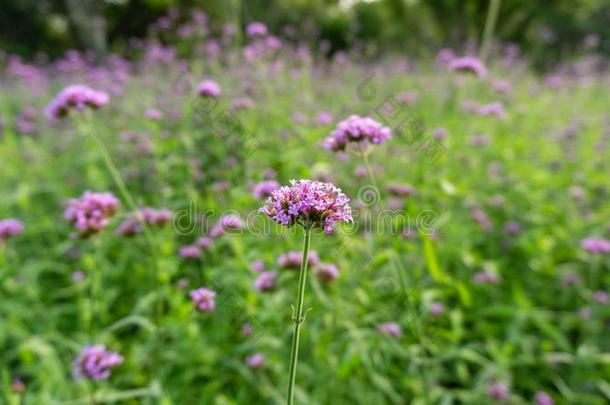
(204, 242)
(153, 114)
(595, 245)
(436, 308)
(326, 272)
(91, 212)
(440, 133)
(292, 260)
(390, 328)
(265, 281)
(324, 118)
(468, 64)
(190, 252)
(357, 129)
(255, 361)
(601, 297)
(225, 224)
(96, 363)
(203, 299)
(78, 276)
(498, 391)
(571, 278)
(542, 398)
(9, 228)
(76, 96)
(486, 277)
(401, 190)
(208, 88)
(265, 188)
(256, 29)
(257, 266)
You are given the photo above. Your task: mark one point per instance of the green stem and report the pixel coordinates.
(369, 169)
(297, 316)
(95, 291)
(120, 183)
(490, 25)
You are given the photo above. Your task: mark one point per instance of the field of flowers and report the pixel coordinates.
(469, 266)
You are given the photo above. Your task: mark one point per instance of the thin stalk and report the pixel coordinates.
(490, 26)
(369, 169)
(298, 317)
(118, 180)
(94, 317)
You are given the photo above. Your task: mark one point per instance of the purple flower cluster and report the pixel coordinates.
(150, 216)
(595, 245)
(91, 212)
(256, 29)
(326, 272)
(324, 118)
(265, 281)
(390, 328)
(542, 398)
(95, 363)
(292, 260)
(264, 189)
(76, 96)
(492, 109)
(468, 64)
(255, 361)
(486, 277)
(498, 391)
(401, 190)
(208, 88)
(203, 299)
(225, 224)
(310, 204)
(9, 228)
(357, 129)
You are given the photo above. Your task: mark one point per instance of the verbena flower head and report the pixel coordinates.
(486, 277)
(542, 398)
(226, 224)
(292, 259)
(492, 109)
(310, 204)
(190, 252)
(390, 328)
(357, 129)
(91, 212)
(324, 118)
(9, 228)
(257, 266)
(601, 297)
(265, 188)
(204, 299)
(96, 363)
(256, 360)
(468, 64)
(255, 29)
(436, 308)
(208, 88)
(327, 272)
(265, 281)
(595, 245)
(401, 190)
(498, 391)
(77, 97)
(150, 216)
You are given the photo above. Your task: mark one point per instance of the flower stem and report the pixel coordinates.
(297, 316)
(369, 169)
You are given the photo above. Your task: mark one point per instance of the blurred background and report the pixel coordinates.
(547, 31)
